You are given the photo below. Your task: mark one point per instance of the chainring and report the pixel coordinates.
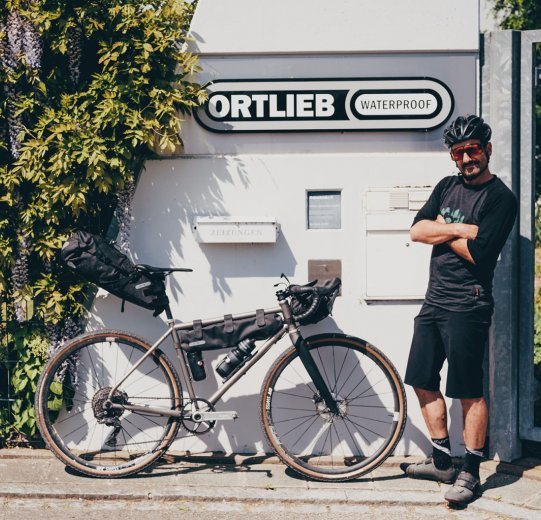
(197, 428)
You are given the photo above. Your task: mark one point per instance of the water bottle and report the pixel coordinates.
(236, 358)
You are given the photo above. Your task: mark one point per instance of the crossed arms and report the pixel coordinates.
(434, 232)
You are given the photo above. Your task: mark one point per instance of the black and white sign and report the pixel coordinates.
(312, 105)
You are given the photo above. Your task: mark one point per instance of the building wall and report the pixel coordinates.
(268, 175)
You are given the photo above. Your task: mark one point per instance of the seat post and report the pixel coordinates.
(168, 313)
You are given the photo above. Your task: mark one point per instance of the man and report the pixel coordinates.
(467, 219)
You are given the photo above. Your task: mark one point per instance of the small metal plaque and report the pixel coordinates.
(324, 270)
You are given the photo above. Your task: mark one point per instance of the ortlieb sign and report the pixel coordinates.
(316, 105)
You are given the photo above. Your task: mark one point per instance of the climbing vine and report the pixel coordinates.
(88, 90)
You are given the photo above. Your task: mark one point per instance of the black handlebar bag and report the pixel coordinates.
(300, 303)
(99, 262)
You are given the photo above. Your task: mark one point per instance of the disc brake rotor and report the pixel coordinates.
(326, 414)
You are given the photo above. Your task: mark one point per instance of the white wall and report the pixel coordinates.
(308, 26)
(269, 174)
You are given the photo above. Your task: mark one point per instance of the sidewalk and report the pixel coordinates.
(261, 484)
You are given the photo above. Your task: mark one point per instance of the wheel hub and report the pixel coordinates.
(326, 414)
(100, 400)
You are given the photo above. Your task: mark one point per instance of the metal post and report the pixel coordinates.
(501, 109)
(527, 429)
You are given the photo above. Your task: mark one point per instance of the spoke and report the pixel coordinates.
(339, 442)
(363, 427)
(357, 430)
(334, 370)
(102, 363)
(116, 363)
(302, 434)
(71, 416)
(370, 419)
(94, 368)
(295, 409)
(128, 364)
(312, 389)
(370, 395)
(294, 395)
(75, 430)
(142, 376)
(88, 381)
(331, 452)
(360, 382)
(340, 371)
(298, 426)
(142, 392)
(91, 435)
(352, 437)
(324, 371)
(124, 431)
(324, 442)
(368, 389)
(294, 419)
(141, 430)
(126, 443)
(148, 417)
(368, 406)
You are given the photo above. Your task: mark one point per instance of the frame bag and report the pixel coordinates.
(230, 332)
(96, 260)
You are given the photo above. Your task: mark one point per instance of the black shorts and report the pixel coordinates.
(459, 337)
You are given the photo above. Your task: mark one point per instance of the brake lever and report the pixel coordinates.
(283, 283)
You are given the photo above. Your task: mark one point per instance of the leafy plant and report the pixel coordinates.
(89, 89)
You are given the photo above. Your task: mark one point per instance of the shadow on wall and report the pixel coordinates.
(199, 193)
(298, 420)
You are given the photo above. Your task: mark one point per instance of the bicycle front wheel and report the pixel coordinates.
(328, 446)
(76, 425)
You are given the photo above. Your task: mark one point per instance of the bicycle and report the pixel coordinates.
(332, 406)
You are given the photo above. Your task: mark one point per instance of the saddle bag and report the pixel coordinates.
(99, 262)
(230, 332)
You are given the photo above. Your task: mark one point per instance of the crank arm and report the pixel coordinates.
(214, 416)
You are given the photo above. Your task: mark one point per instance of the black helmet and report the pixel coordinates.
(467, 127)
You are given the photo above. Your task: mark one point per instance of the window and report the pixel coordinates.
(324, 209)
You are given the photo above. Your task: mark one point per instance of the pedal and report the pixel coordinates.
(214, 416)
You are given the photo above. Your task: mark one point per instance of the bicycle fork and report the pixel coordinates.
(308, 361)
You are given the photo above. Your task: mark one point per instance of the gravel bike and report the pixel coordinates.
(332, 406)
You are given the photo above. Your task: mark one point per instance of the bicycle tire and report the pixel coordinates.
(72, 387)
(287, 383)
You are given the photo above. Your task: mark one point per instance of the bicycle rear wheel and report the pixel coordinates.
(312, 440)
(73, 421)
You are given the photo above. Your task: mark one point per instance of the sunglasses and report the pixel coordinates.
(473, 150)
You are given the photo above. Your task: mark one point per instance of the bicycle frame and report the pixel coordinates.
(173, 330)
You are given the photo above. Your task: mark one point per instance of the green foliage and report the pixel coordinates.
(521, 15)
(82, 140)
(28, 346)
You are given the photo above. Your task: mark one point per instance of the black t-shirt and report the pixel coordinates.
(456, 284)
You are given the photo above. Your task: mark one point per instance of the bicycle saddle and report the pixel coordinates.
(166, 270)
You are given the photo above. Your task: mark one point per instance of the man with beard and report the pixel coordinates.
(467, 219)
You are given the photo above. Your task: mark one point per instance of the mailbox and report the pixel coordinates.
(215, 230)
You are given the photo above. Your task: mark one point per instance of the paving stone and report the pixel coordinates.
(510, 488)
(256, 485)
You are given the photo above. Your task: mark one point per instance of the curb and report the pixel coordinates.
(528, 468)
(279, 498)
